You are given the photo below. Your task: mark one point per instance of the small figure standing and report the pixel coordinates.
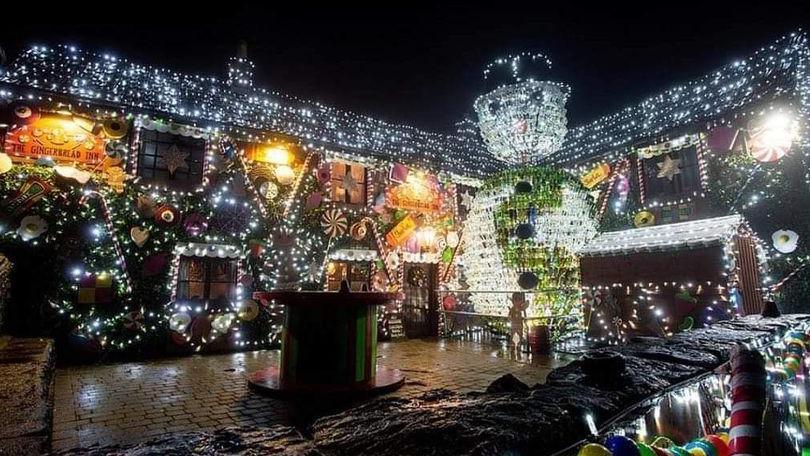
(517, 315)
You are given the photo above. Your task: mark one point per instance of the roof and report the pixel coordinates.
(675, 236)
(105, 79)
(770, 74)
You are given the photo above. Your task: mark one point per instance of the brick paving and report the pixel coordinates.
(132, 402)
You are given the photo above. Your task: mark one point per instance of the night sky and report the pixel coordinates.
(414, 64)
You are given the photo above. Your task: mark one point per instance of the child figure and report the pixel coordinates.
(517, 313)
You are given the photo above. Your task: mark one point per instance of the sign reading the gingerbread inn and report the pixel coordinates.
(58, 137)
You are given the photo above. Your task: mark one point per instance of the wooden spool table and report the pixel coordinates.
(328, 345)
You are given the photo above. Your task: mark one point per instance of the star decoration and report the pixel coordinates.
(349, 183)
(466, 200)
(175, 159)
(669, 168)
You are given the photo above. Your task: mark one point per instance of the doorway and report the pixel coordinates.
(420, 316)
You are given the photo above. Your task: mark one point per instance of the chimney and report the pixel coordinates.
(240, 69)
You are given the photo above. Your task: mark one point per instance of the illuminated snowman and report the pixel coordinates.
(522, 120)
(526, 224)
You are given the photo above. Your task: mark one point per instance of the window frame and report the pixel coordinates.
(150, 147)
(207, 281)
(336, 183)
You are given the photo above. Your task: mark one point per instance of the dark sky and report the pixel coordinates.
(415, 64)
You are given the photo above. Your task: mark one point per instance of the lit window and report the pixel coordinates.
(172, 160)
(348, 183)
(203, 278)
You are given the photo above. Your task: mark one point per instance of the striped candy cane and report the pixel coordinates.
(747, 401)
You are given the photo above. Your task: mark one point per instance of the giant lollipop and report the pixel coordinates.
(334, 223)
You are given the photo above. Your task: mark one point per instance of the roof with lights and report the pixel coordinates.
(674, 236)
(774, 73)
(211, 102)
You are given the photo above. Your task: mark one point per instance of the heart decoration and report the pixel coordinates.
(139, 235)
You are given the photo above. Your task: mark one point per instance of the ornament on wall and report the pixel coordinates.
(24, 114)
(195, 224)
(668, 168)
(313, 200)
(139, 235)
(358, 230)
(772, 137)
(145, 206)
(115, 150)
(285, 175)
(417, 277)
(115, 178)
(175, 159)
(179, 321)
(5, 163)
(71, 175)
(323, 173)
(133, 321)
(249, 310)
(115, 128)
(31, 227)
(167, 215)
(95, 289)
(268, 190)
(644, 218)
(154, 264)
(785, 241)
(392, 261)
(334, 223)
(222, 323)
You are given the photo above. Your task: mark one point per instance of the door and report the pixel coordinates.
(420, 309)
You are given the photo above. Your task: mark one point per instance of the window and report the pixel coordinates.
(671, 175)
(348, 183)
(172, 160)
(206, 278)
(358, 274)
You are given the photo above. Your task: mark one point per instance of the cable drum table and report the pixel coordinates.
(328, 345)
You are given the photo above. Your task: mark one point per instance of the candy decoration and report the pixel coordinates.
(31, 227)
(24, 114)
(720, 445)
(167, 215)
(133, 320)
(334, 223)
(644, 218)
(700, 447)
(95, 289)
(324, 174)
(71, 175)
(285, 175)
(268, 190)
(5, 163)
(195, 224)
(645, 450)
(358, 231)
(593, 449)
(179, 322)
(139, 235)
(114, 128)
(747, 401)
(31, 191)
(221, 323)
(620, 445)
(145, 206)
(249, 310)
(785, 241)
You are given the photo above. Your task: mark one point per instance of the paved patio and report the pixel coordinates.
(128, 403)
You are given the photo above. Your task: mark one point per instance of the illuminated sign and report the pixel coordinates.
(417, 194)
(401, 231)
(55, 136)
(595, 176)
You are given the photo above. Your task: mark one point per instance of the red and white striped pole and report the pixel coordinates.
(747, 402)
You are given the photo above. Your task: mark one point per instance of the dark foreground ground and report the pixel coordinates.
(509, 418)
